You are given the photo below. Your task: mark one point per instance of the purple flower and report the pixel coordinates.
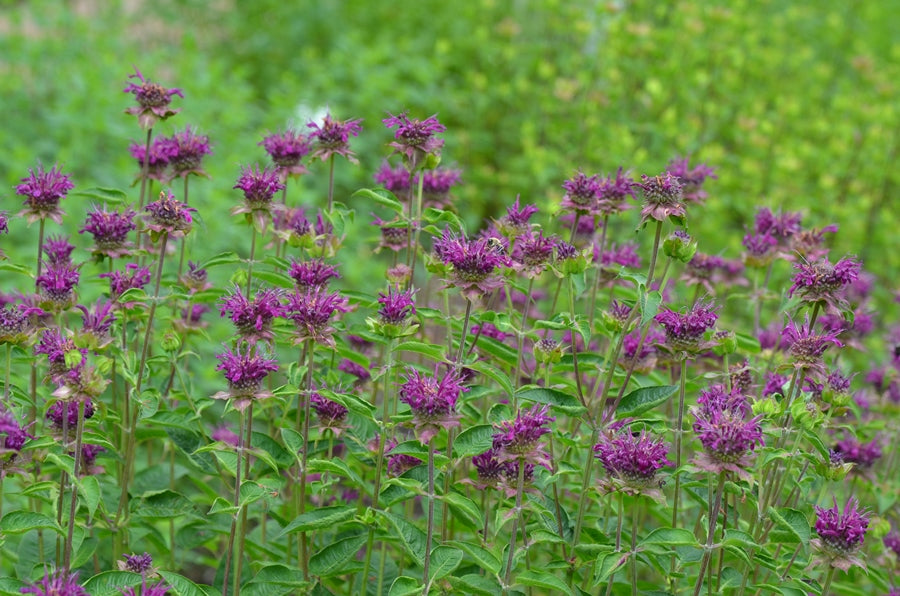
(4, 222)
(195, 278)
(822, 283)
(400, 463)
(396, 309)
(43, 191)
(286, 150)
(191, 317)
(760, 249)
(519, 439)
(98, 322)
(13, 435)
(169, 215)
(245, 371)
(727, 435)
(612, 193)
(809, 244)
(226, 435)
(253, 318)
(134, 276)
(311, 310)
(333, 138)
(892, 541)
(532, 253)
(161, 588)
(414, 139)
(489, 469)
(314, 274)
(783, 225)
(138, 563)
(57, 284)
(259, 187)
(581, 193)
(515, 222)
(685, 331)
(58, 250)
(110, 231)
(357, 370)
(473, 263)
(663, 198)
(864, 455)
(191, 147)
(691, 179)
(394, 234)
(153, 100)
(395, 180)
(432, 400)
(806, 347)
(615, 256)
(841, 534)
(55, 346)
(331, 414)
(631, 460)
(60, 583)
(16, 323)
(162, 150)
(89, 453)
(774, 384)
(436, 185)
(60, 409)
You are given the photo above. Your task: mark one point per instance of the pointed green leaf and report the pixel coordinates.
(430, 350)
(606, 565)
(181, 585)
(494, 374)
(552, 397)
(793, 521)
(113, 196)
(112, 582)
(646, 398)
(671, 537)
(475, 584)
(474, 441)
(16, 522)
(444, 559)
(89, 488)
(323, 517)
(542, 579)
(465, 510)
(380, 196)
(411, 538)
(224, 258)
(405, 586)
(482, 557)
(649, 302)
(332, 559)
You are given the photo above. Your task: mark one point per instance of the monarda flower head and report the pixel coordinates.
(245, 371)
(759, 249)
(195, 279)
(253, 318)
(532, 253)
(43, 192)
(472, 263)
(663, 198)
(162, 150)
(314, 274)
(168, 215)
(394, 234)
(394, 313)
(399, 463)
(153, 100)
(581, 193)
(782, 225)
(727, 435)
(806, 347)
(65, 413)
(415, 139)
(134, 276)
(58, 250)
(691, 179)
(96, 323)
(191, 148)
(110, 231)
(841, 534)
(515, 222)
(311, 310)
(685, 331)
(395, 180)
(58, 583)
(432, 400)
(490, 470)
(333, 138)
(259, 188)
(57, 286)
(12, 438)
(286, 149)
(823, 283)
(17, 323)
(863, 455)
(613, 192)
(331, 414)
(632, 460)
(519, 439)
(436, 185)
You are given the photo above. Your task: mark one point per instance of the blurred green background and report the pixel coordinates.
(795, 103)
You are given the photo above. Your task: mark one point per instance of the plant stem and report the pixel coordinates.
(250, 263)
(248, 437)
(304, 548)
(430, 530)
(462, 336)
(619, 523)
(414, 249)
(330, 182)
(79, 427)
(145, 170)
(520, 488)
(713, 518)
(229, 552)
(679, 430)
(827, 585)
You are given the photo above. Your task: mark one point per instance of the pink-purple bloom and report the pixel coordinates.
(286, 150)
(58, 583)
(312, 274)
(581, 193)
(169, 215)
(191, 148)
(395, 180)
(663, 198)
(245, 370)
(43, 191)
(727, 433)
(436, 185)
(854, 451)
(12, 435)
(57, 284)
(311, 310)
(822, 283)
(162, 150)
(58, 250)
(515, 222)
(414, 139)
(631, 460)
(841, 534)
(432, 400)
(613, 192)
(110, 231)
(331, 414)
(333, 138)
(253, 318)
(519, 439)
(532, 253)
(685, 331)
(473, 263)
(807, 347)
(153, 100)
(16, 323)
(134, 276)
(258, 185)
(691, 179)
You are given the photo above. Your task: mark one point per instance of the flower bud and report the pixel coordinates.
(680, 246)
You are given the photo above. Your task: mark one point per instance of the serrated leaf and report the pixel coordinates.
(475, 584)
(405, 586)
(323, 517)
(793, 521)
(482, 557)
(411, 538)
(332, 559)
(293, 440)
(16, 522)
(495, 374)
(381, 196)
(181, 585)
(552, 397)
(474, 441)
(671, 537)
(606, 565)
(89, 488)
(163, 505)
(649, 303)
(644, 399)
(465, 510)
(317, 466)
(542, 579)
(112, 582)
(444, 559)
(221, 505)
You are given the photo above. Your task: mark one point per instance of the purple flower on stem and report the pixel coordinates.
(245, 371)
(259, 187)
(612, 193)
(663, 198)
(16, 323)
(436, 185)
(727, 435)
(519, 439)
(473, 263)
(357, 370)
(59, 583)
(400, 463)
(195, 278)
(12, 436)
(43, 191)
(58, 250)
(760, 249)
(134, 276)
(532, 253)
(632, 460)
(774, 384)
(311, 310)
(253, 318)
(161, 588)
(892, 541)
(137, 563)
(191, 147)
(841, 534)
(780, 225)
(581, 193)
(286, 150)
(226, 435)
(56, 346)
(853, 451)
(395, 180)
(396, 306)
(823, 283)
(57, 284)
(153, 100)
(685, 331)
(415, 139)
(169, 215)
(394, 234)
(806, 347)
(515, 222)
(162, 150)
(110, 231)
(333, 138)
(314, 274)
(98, 322)
(331, 414)
(192, 318)
(491, 472)
(89, 453)
(691, 179)
(432, 400)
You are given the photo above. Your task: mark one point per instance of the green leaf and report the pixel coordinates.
(112, 582)
(11, 586)
(671, 537)
(293, 440)
(221, 505)
(606, 565)
(552, 397)
(181, 585)
(113, 196)
(163, 505)
(475, 584)
(793, 521)
(649, 302)
(474, 441)
(382, 197)
(337, 466)
(332, 559)
(542, 579)
(444, 559)
(430, 350)
(89, 488)
(224, 258)
(495, 374)
(498, 350)
(6, 266)
(643, 399)
(482, 557)
(747, 343)
(323, 517)
(465, 510)
(405, 586)
(411, 538)
(16, 522)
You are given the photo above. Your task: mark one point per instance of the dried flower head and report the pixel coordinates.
(519, 439)
(110, 231)
(153, 100)
(663, 198)
(841, 534)
(286, 150)
(333, 138)
(253, 318)
(685, 331)
(432, 400)
(245, 371)
(43, 192)
(191, 148)
(473, 263)
(169, 215)
(415, 139)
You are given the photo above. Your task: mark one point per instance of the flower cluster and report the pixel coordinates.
(259, 188)
(333, 138)
(519, 439)
(311, 310)
(631, 460)
(253, 318)
(473, 263)
(286, 150)
(134, 276)
(312, 274)
(414, 139)
(331, 414)
(663, 198)
(822, 283)
(162, 150)
(245, 371)
(727, 435)
(841, 534)
(187, 156)
(691, 179)
(58, 583)
(168, 215)
(685, 331)
(432, 400)
(153, 100)
(43, 191)
(110, 231)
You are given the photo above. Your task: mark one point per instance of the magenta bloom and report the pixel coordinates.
(805, 347)
(333, 138)
(782, 225)
(226, 435)
(581, 193)
(331, 414)
(630, 460)
(618, 255)
(685, 331)
(515, 222)
(393, 234)
(532, 253)
(613, 192)
(490, 470)
(432, 400)
(57, 284)
(395, 180)
(519, 439)
(4, 222)
(841, 534)
(663, 198)
(169, 215)
(473, 263)
(153, 100)
(436, 185)
(98, 322)
(162, 150)
(760, 249)
(727, 435)
(191, 147)
(110, 231)
(823, 283)
(134, 276)
(259, 187)
(58, 250)
(55, 346)
(414, 139)
(12, 436)
(396, 306)
(286, 150)
(357, 370)
(253, 318)
(245, 371)
(66, 413)
(691, 179)
(400, 463)
(864, 455)
(16, 323)
(311, 310)
(43, 192)
(312, 274)
(58, 583)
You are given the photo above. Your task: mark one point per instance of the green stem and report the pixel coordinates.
(229, 552)
(462, 336)
(827, 585)
(145, 170)
(242, 535)
(430, 529)
(79, 428)
(679, 430)
(708, 549)
(304, 547)
(414, 249)
(619, 524)
(520, 488)
(330, 182)
(250, 263)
